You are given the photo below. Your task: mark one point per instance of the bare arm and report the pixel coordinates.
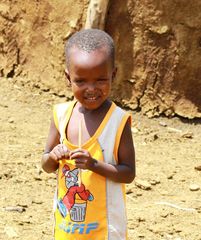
(54, 151)
(124, 172)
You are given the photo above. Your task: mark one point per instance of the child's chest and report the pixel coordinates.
(89, 126)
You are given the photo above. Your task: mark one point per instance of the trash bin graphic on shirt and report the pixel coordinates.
(68, 204)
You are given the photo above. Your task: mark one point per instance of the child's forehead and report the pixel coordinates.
(103, 51)
(95, 57)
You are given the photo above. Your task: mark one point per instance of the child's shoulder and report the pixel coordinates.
(121, 110)
(60, 107)
(60, 110)
(122, 113)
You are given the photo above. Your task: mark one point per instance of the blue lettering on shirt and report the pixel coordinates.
(79, 228)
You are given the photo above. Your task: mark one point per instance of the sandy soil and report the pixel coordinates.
(167, 150)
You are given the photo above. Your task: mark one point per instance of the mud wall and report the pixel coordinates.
(32, 36)
(158, 50)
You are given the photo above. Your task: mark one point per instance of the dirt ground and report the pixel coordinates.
(163, 203)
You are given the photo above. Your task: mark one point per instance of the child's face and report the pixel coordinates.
(90, 75)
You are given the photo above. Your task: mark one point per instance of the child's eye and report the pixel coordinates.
(79, 81)
(102, 80)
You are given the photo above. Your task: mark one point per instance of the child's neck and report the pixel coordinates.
(105, 106)
(91, 120)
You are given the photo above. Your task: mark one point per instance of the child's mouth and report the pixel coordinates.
(91, 98)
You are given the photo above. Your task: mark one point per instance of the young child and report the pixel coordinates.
(90, 197)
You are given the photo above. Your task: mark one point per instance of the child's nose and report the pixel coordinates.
(91, 86)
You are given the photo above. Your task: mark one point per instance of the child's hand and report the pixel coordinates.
(82, 157)
(59, 152)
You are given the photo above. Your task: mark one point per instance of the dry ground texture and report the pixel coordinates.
(163, 203)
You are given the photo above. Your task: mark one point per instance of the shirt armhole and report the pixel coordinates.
(127, 117)
(55, 118)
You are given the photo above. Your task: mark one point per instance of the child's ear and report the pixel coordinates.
(68, 77)
(114, 73)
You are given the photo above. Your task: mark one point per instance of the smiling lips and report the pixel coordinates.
(91, 97)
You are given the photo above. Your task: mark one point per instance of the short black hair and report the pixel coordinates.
(89, 40)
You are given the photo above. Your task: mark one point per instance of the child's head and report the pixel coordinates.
(89, 40)
(90, 66)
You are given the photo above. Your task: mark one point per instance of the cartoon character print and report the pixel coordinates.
(71, 181)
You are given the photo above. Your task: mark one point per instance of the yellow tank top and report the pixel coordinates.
(94, 210)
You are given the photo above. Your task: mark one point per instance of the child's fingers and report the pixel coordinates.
(76, 150)
(65, 149)
(78, 153)
(80, 163)
(60, 151)
(53, 156)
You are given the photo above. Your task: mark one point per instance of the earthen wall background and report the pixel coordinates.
(158, 50)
